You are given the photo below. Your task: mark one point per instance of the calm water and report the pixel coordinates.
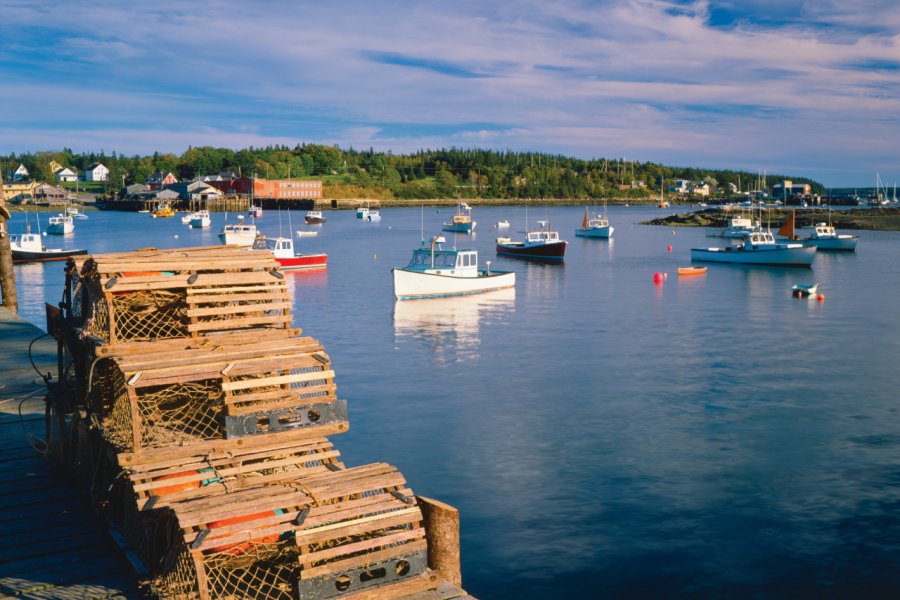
(604, 436)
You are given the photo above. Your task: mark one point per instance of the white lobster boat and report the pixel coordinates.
(759, 248)
(434, 273)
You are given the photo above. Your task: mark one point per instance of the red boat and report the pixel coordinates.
(283, 249)
(540, 244)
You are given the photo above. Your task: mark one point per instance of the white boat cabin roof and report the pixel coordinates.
(542, 235)
(443, 259)
(759, 237)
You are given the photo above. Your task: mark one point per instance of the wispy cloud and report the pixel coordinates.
(721, 83)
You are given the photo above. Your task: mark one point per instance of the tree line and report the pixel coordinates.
(446, 173)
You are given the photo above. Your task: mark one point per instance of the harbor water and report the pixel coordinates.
(601, 434)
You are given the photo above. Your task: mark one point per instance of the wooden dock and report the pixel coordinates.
(51, 544)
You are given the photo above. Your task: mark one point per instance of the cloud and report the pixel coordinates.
(691, 81)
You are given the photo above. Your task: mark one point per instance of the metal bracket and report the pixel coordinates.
(285, 419)
(376, 574)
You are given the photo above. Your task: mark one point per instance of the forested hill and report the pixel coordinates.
(466, 173)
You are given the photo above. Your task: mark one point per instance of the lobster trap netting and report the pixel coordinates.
(149, 315)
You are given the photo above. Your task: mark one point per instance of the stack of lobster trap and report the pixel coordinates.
(198, 420)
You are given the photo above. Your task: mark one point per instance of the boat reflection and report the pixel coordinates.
(451, 327)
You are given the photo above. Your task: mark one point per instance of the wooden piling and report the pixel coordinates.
(442, 534)
(7, 275)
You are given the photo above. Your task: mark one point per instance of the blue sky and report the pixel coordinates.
(805, 88)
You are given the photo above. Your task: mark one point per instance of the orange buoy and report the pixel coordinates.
(821, 297)
(176, 487)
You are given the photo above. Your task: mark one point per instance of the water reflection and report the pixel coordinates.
(450, 327)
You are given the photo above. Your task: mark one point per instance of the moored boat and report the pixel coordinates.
(504, 224)
(435, 272)
(283, 249)
(163, 211)
(27, 247)
(238, 234)
(736, 228)
(200, 219)
(462, 220)
(255, 211)
(60, 225)
(313, 217)
(373, 215)
(71, 211)
(824, 237)
(802, 290)
(758, 248)
(596, 227)
(362, 212)
(688, 271)
(541, 244)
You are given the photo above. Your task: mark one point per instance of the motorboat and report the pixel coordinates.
(362, 212)
(163, 211)
(255, 211)
(303, 234)
(824, 237)
(283, 249)
(373, 215)
(60, 225)
(27, 247)
(541, 244)
(462, 220)
(736, 228)
(73, 212)
(200, 219)
(759, 248)
(504, 224)
(804, 290)
(595, 227)
(238, 234)
(436, 272)
(313, 217)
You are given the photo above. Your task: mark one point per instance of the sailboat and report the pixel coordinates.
(788, 228)
(662, 193)
(597, 227)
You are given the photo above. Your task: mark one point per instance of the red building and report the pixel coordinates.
(277, 189)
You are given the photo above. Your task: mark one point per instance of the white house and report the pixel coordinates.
(700, 190)
(680, 186)
(96, 172)
(66, 174)
(20, 174)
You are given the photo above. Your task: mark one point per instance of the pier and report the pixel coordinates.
(51, 544)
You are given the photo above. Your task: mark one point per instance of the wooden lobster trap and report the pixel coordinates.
(188, 292)
(323, 535)
(147, 396)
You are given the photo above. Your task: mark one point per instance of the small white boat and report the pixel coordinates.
(313, 217)
(373, 215)
(504, 224)
(824, 237)
(362, 212)
(303, 234)
(60, 225)
(71, 211)
(759, 248)
(802, 290)
(255, 211)
(434, 273)
(200, 219)
(238, 234)
(596, 227)
(736, 228)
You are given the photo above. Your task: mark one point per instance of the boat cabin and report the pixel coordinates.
(758, 238)
(26, 241)
(822, 230)
(542, 236)
(459, 263)
(280, 247)
(597, 222)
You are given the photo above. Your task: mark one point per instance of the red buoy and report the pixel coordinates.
(669, 248)
(657, 277)
(821, 297)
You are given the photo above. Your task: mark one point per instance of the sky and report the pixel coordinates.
(804, 88)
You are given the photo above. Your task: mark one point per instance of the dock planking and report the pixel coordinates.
(51, 544)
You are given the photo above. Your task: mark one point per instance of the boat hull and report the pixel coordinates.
(201, 223)
(314, 220)
(236, 239)
(841, 244)
(797, 256)
(595, 232)
(411, 285)
(303, 261)
(689, 271)
(20, 256)
(460, 227)
(550, 251)
(60, 229)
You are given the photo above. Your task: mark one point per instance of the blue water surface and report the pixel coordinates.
(603, 435)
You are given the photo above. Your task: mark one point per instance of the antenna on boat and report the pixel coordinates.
(279, 221)
(422, 225)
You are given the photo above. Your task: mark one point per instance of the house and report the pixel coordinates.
(19, 192)
(65, 174)
(49, 193)
(160, 179)
(20, 174)
(680, 186)
(96, 172)
(195, 190)
(788, 188)
(150, 194)
(133, 190)
(733, 188)
(700, 190)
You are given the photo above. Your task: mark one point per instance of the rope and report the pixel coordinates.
(46, 377)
